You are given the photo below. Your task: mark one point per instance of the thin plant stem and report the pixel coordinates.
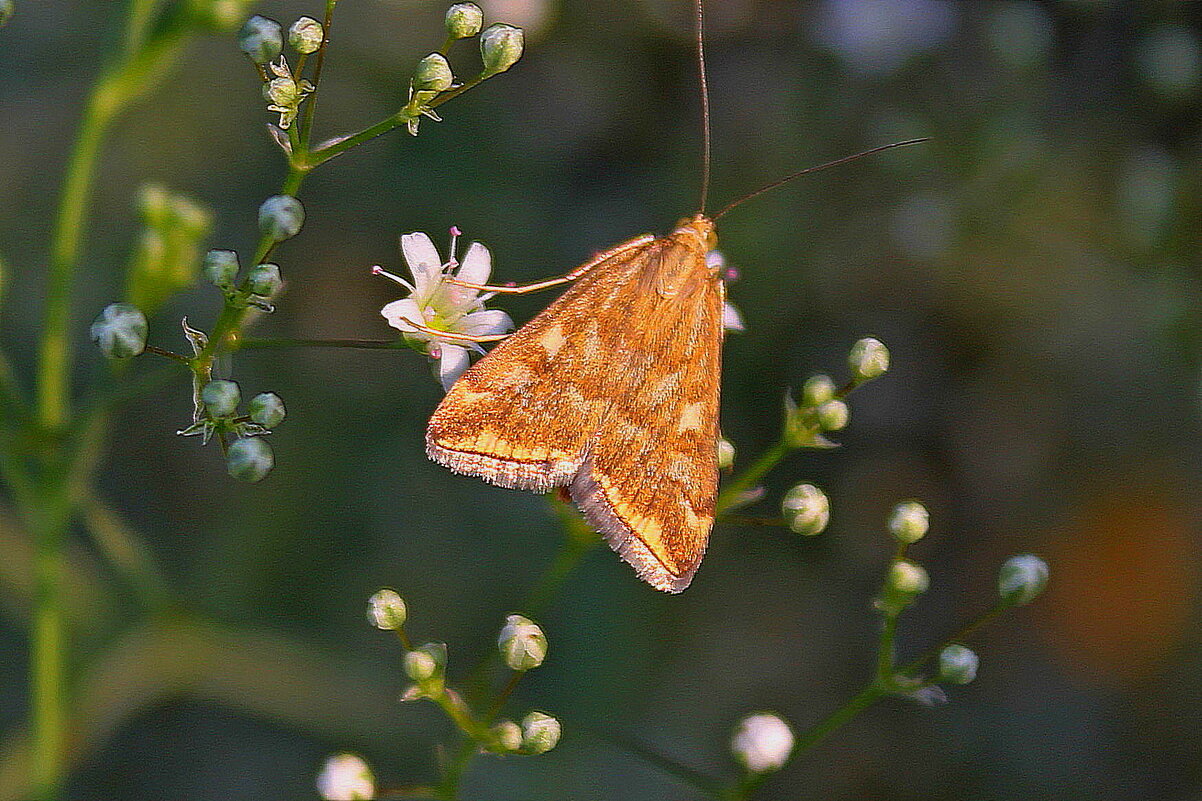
(751, 476)
(248, 343)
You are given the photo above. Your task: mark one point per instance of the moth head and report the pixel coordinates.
(701, 227)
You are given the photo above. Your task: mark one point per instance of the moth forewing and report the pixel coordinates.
(611, 391)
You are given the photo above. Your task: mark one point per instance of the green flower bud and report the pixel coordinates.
(540, 733)
(221, 398)
(433, 74)
(305, 35)
(264, 280)
(266, 409)
(250, 459)
(726, 454)
(909, 522)
(1021, 579)
(522, 643)
(346, 777)
(262, 39)
(833, 415)
(957, 664)
(806, 509)
(500, 47)
(464, 20)
(386, 611)
(221, 267)
(817, 390)
(762, 742)
(426, 665)
(120, 331)
(6, 11)
(420, 666)
(908, 579)
(508, 736)
(281, 217)
(868, 359)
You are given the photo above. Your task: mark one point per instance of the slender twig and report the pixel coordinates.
(246, 343)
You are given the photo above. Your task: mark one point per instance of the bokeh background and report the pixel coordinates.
(1034, 269)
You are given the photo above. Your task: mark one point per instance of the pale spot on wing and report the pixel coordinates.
(691, 417)
(552, 340)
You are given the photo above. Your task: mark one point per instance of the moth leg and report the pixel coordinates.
(453, 336)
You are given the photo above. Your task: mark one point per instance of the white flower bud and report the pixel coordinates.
(726, 454)
(464, 20)
(508, 735)
(346, 777)
(262, 39)
(868, 359)
(265, 280)
(500, 47)
(540, 733)
(957, 664)
(266, 409)
(386, 610)
(762, 742)
(420, 666)
(817, 390)
(305, 35)
(522, 643)
(281, 217)
(221, 267)
(120, 331)
(1021, 579)
(909, 522)
(249, 459)
(433, 74)
(908, 578)
(806, 509)
(833, 415)
(221, 398)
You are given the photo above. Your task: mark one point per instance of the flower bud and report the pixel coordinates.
(508, 735)
(500, 47)
(262, 39)
(250, 459)
(806, 509)
(522, 643)
(346, 777)
(281, 217)
(433, 74)
(832, 415)
(120, 331)
(868, 359)
(909, 522)
(762, 742)
(817, 390)
(1021, 579)
(908, 579)
(464, 20)
(282, 92)
(540, 733)
(426, 665)
(726, 454)
(221, 398)
(386, 610)
(221, 267)
(264, 280)
(957, 664)
(420, 666)
(266, 409)
(305, 35)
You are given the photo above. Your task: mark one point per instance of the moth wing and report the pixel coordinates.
(649, 481)
(522, 416)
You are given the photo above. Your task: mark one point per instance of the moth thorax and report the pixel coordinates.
(701, 227)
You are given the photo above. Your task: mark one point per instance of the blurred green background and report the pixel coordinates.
(1034, 270)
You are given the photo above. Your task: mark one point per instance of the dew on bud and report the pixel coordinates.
(386, 610)
(957, 664)
(522, 644)
(1021, 579)
(762, 742)
(120, 331)
(433, 74)
(346, 777)
(540, 733)
(266, 409)
(464, 20)
(250, 459)
(817, 390)
(305, 35)
(261, 39)
(221, 398)
(500, 47)
(868, 359)
(221, 267)
(806, 509)
(281, 217)
(909, 522)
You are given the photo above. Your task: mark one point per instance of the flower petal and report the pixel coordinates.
(422, 257)
(485, 323)
(399, 311)
(453, 362)
(477, 265)
(731, 319)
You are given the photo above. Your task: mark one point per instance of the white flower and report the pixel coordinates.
(435, 303)
(731, 319)
(762, 742)
(346, 777)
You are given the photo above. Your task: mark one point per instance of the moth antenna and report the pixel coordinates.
(705, 107)
(837, 162)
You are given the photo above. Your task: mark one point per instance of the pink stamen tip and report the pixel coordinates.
(455, 231)
(732, 274)
(511, 283)
(377, 270)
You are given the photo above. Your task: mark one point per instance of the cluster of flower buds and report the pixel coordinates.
(522, 646)
(821, 408)
(280, 218)
(262, 40)
(249, 457)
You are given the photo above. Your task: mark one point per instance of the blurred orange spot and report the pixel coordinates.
(1124, 580)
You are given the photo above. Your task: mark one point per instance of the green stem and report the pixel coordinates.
(281, 342)
(961, 634)
(48, 658)
(751, 476)
(817, 733)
